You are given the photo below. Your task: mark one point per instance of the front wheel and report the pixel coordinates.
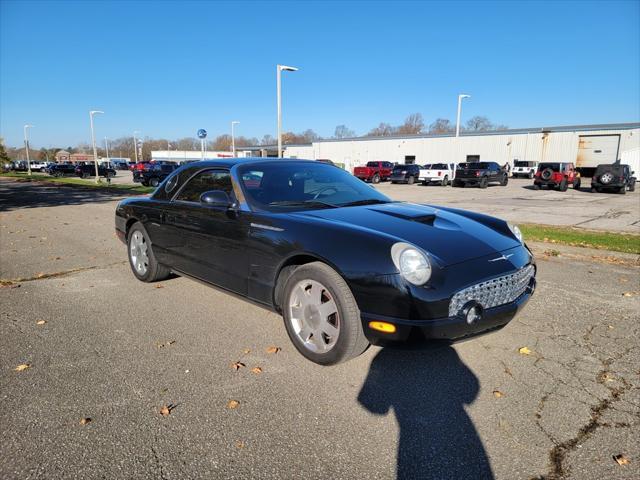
(622, 190)
(375, 179)
(563, 185)
(576, 184)
(504, 180)
(445, 181)
(410, 180)
(531, 174)
(154, 182)
(321, 316)
(632, 187)
(484, 182)
(141, 258)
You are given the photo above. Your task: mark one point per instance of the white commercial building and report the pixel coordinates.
(585, 145)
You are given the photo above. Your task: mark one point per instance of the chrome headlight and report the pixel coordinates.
(516, 232)
(413, 264)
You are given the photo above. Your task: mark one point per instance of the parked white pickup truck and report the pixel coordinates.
(522, 168)
(442, 173)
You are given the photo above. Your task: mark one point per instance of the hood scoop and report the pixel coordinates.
(426, 219)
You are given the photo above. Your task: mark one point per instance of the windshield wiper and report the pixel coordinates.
(294, 203)
(368, 201)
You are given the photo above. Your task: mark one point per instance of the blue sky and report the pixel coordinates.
(169, 68)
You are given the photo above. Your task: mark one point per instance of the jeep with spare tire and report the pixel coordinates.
(613, 177)
(557, 175)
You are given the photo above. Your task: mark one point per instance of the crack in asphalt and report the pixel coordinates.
(44, 276)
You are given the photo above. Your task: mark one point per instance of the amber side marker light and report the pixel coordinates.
(383, 327)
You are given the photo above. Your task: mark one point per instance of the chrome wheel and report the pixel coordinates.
(314, 316)
(606, 178)
(138, 253)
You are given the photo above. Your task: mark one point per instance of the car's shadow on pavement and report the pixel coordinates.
(427, 388)
(15, 195)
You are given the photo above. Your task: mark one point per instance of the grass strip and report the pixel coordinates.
(77, 182)
(577, 237)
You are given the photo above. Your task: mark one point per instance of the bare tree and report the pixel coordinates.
(268, 140)
(342, 131)
(479, 124)
(441, 125)
(382, 130)
(187, 143)
(412, 125)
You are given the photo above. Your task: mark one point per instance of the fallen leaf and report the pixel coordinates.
(524, 351)
(256, 370)
(165, 410)
(246, 351)
(498, 394)
(159, 286)
(628, 294)
(239, 444)
(621, 459)
(22, 367)
(273, 349)
(166, 344)
(233, 404)
(41, 322)
(84, 421)
(40, 275)
(237, 365)
(610, 327)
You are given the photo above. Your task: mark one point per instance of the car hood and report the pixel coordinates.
(450, 236)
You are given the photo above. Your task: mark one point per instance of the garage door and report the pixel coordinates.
(596, 149)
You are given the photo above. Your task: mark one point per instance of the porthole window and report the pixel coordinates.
(171, 183)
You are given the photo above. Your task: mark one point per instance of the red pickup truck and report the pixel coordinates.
(374, 171)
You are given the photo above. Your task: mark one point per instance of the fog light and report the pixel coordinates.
(383, 327)
(472, 312)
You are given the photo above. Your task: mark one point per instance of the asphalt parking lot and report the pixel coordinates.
(519, 202)
(115, 350)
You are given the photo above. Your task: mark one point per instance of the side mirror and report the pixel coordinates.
(216, 198)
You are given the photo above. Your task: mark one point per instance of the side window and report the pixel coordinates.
(203, 182)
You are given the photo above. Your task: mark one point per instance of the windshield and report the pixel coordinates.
(289, 186)
(372, 164)
(399, 168)
(439, 166)
(473, 166)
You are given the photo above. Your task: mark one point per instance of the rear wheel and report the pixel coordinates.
(144, 183)
(622, 190)
(154, 182)
(576, 184)
(321, 316)
(484, 182)
(375, 179)
(504, 180)
(456, 183)
(531, 174)
(632, 187)
(141, 258)
(85, 175)
(445, 181)
(563, 185)
(410, 180)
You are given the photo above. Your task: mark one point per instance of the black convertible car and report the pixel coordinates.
(345, 265)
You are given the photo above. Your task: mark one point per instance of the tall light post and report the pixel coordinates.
(233, 137)
(135, 145)
(93, 140)
(106, 148)
(460, 97)
(26, 146)
(279, 69)
(168, 150)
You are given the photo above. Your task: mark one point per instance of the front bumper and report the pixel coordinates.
(449, 328)
(431, 179)
(399, 179)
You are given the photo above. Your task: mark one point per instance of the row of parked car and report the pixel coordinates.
(557, 175)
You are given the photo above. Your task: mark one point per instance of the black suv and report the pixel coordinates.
(613, 177)
(154, 172)
(62, 169)
(405, 173)
(479, 173)
(89, 170)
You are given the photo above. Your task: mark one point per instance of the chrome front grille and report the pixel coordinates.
(495, 292)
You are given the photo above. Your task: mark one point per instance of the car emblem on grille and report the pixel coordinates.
(502, 257)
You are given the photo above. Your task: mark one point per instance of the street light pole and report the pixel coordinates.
(233, 138)
(106, 147)
(93, 141)
(26, 146)
(135, 145)
(279, 69)
(460, 97)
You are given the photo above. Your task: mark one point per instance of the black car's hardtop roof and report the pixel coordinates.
(231, 162)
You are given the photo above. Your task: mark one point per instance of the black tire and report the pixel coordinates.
(484, 182)
(351, 340)
(445, 181)
(504, 180)
(154, 182)
(622, 190)
(110, 174)
(576, 184)
(546, 173)
(593, 189)
(375, 178)
(632, 187)
(410, 180)
(456, 183)
(144, 183)
(154, 271)
(563, 185)
(85, 175)
(393, 182)
(598, 189)
(530, 175)
(425, 183)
